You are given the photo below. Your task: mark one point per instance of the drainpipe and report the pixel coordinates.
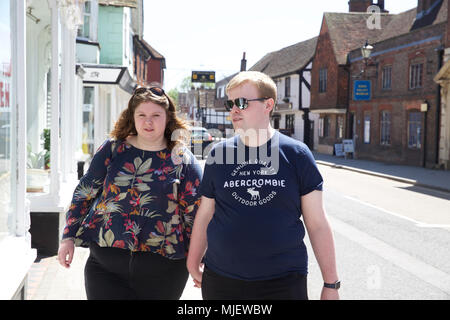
(440, 52)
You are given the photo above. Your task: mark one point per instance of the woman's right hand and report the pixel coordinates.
(65, 252)
(196, 274)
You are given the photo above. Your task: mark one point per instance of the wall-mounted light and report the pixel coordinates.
(366, 51)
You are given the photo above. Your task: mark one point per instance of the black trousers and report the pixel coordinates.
(218, 287)
(118, 274)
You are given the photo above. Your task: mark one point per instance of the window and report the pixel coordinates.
(385, 127)
(339, 127)
(386, 78)
(84, 29)
(290, 120)
(324, 126)
(415, 76)
(321, 131)
(323, 75)
(415, 130)
(287, 87)
(88, 120)
(6, 114)
(367, 128)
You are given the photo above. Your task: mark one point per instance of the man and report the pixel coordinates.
(255, 188)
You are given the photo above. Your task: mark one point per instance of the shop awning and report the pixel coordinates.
(108, 74)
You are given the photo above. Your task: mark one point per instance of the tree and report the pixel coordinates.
(173, 93)
(186, 85)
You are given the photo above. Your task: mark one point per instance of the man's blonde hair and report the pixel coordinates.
(265, 85)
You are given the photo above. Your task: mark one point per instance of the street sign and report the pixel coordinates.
(362, 90)
(203, 76)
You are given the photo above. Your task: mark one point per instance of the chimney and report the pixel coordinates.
(359, 5)
(243, 63)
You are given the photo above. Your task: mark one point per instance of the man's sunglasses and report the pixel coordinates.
(155, 90)
(241, 103)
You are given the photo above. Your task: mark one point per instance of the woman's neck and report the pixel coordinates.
(143, 144)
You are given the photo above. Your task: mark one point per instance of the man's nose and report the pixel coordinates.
(235, 109)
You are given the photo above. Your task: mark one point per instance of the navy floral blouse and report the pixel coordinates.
(147, 202)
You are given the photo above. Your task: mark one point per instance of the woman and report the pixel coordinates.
(138, 233)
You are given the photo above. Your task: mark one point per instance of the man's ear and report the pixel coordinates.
(270, 104)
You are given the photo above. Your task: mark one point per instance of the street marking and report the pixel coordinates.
(417, 223)
(418, 268)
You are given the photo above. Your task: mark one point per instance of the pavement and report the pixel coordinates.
(47, 280)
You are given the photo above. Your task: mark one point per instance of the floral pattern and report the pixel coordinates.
(147, 202)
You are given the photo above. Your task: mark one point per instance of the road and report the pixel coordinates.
(391, 238)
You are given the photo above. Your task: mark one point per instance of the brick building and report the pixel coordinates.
(394, 116)
(149, 64)
(398, 120)
(339, 34)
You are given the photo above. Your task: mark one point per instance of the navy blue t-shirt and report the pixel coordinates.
(256, 232)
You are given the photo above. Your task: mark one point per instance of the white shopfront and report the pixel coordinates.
(40, 130)
(15, 242)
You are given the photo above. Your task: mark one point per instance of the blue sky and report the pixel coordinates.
(212, 35)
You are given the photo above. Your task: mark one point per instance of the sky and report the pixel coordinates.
(211, 35)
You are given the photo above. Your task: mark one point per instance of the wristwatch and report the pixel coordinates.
(335, 285)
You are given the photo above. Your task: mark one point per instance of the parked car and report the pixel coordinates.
(200, 140)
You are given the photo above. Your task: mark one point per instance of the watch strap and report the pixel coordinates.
(335, 285)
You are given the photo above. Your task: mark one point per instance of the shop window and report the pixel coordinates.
(340, 127)
(385, 127)
(367, 128)
(88, 121)
(321, 131)
(7, 156)
(415, 130)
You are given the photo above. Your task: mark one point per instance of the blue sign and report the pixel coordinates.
(362, 90)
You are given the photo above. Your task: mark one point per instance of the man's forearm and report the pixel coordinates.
(322, 243)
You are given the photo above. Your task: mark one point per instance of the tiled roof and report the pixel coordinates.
(287, 60)
(437, 14)
(155, 54)
(349, 31)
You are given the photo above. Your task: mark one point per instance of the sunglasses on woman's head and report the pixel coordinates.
(155, 90)
(241, 103)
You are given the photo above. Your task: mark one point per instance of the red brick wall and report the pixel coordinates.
(359, 5)
(400, 99)
(154, 71)
(324, 58)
